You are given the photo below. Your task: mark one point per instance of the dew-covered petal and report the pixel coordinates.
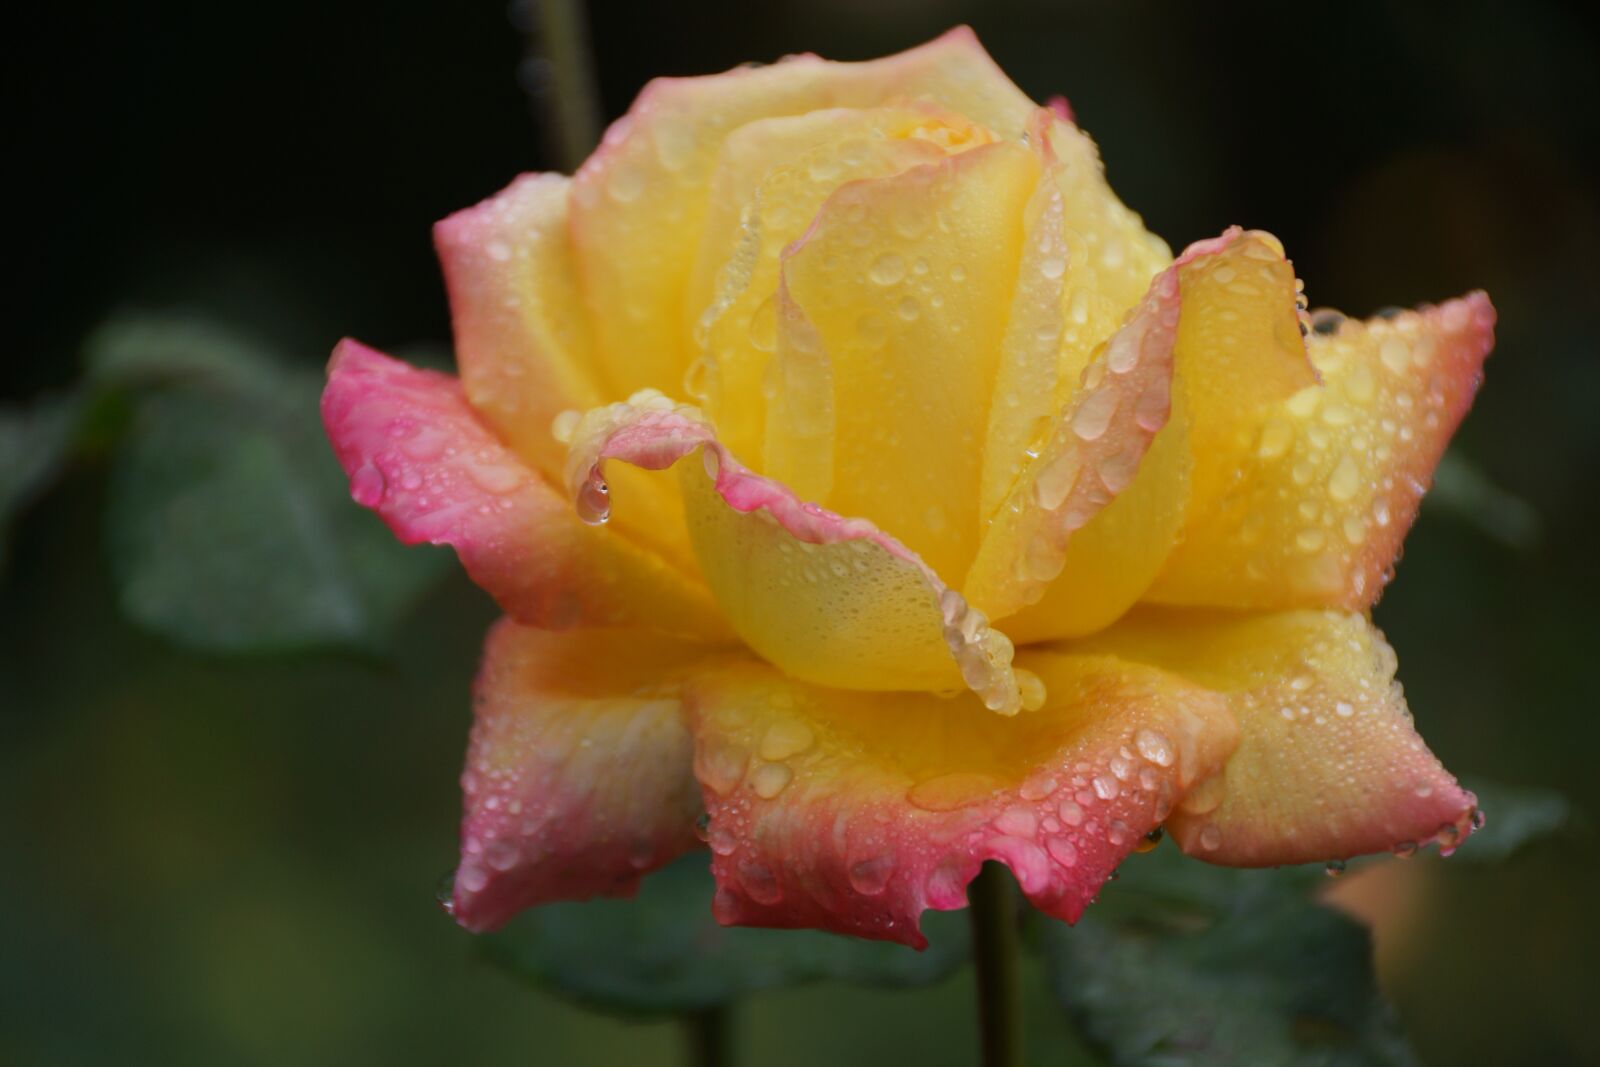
(1329, 763)
(771, 177)
(901, 289)
(830, 599)
(522, 338)
(1323, 486)
(418, 455)
(1091, 521)
(578, 778)
(641, 199)
(855, 812)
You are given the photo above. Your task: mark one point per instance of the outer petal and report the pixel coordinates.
(771, 178)
(903, 284)
(417, 455)
(1218, 331)
(1323, 487)
(640, 200)
(522, 337)
(827, 598)
(523, 340)
(855, 812)
(578, 778)
(1329, 763)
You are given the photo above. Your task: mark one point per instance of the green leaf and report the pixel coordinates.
(661, 952)
(1513, 817)
(230, 525)
(1187, 965)
(34, 445)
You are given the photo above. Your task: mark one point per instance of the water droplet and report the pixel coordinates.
(759, 882)
(1071, 813)
(770, 779)
(1094, 414)
(1031, 689)
(1018, 822)
(1150, 840)
(785, 738)
(950, 792)
(444, 892)
(1211, 838)
(1105, 787)
(1062, 851)
(1345, 481)
(887, 269)
(702, 826)
(763, 326)
(1405, 849)
(498, 251)
(1053, 266)
(367, 486)
(625, 183)
(593, 502)
(871, 877)
(1334, 868)
(1154, 747)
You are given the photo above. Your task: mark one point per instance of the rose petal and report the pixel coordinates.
(1220, 340)
(417, 455)
(827, 598)
(854, 812)
(640, 201)
(522, 339)
(578, 778)
(901, 288)
(1327, 482)
(1329, 763)
(771, 178)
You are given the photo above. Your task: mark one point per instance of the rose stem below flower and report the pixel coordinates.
(562, 81)
(993, 904)
(709, 1035)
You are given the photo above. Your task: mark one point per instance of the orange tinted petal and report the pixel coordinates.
(1324, 485)
(1329, 763)
(578, 776)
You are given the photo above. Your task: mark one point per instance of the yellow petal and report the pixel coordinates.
(523, 341)
(1220, 330)
(640, 201)
(1329, 763)
(906, 282)
(854, 812)
(830, 599)
(523, 344)
(578, 779)
(771, 178)
(1324, 485)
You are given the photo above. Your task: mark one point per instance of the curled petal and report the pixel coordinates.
(855, 812)
(578, 778)
(1093, 518)
(417, 454)
(640, 200)
(1329, 763)
(830, 599)
(1325, 483)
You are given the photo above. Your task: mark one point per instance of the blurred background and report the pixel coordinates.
(208, 858)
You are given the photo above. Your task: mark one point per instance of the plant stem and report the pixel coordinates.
(994, 955)
(709, 1035)
(565, 90)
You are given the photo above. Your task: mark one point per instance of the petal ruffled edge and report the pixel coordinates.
(653, 432)
(855, 812)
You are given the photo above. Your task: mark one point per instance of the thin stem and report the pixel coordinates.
(994, 954)
(563, 78)
(709, 1035)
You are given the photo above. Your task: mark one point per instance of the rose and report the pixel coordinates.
(949, 396)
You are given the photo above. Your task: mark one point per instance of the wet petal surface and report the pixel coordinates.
(418, 455)
(854, 812)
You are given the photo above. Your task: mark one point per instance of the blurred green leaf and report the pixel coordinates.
(1513, 817)
(661, 952)
(1186, 965)
(34, 444)
(1464, 491)
(230, 525)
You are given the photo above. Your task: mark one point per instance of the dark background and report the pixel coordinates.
(206, 860)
